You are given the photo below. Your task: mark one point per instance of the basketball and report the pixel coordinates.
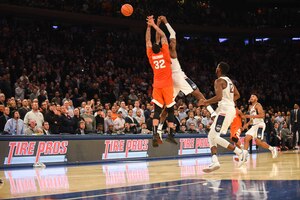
(127, 10)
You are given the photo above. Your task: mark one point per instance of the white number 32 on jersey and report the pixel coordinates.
(159, 64)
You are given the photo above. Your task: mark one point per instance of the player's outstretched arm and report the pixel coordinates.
(157, 36)
(148, 35)
(169, 27)
(159, 31)
(172, 44)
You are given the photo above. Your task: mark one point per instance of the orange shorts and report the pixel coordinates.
(163, 96)
(235, 132)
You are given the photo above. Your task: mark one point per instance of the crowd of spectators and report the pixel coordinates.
(80, 80)
(204, 12)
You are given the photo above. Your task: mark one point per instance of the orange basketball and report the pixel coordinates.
(127, 10)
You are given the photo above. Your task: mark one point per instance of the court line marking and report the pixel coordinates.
(134, 191)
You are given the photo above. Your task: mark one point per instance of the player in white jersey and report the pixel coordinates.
(180, 81)
(225, 95)
(257, 130)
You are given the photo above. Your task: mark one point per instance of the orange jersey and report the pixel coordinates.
(236, 125)
(161, 66)
(237, 121)
(114, 116)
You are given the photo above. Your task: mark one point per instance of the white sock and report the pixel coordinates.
(237, 151)
(214, 159)
(160, 126)
(271, 148)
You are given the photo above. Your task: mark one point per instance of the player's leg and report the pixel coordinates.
(169, 102)
(158, 107)
(220, 125)
(235, 135)
(189, 87)
(266, 146)
(223, 121)
(170, 119)
(215, 165)
(162, 120)
(177, 80)
(259, 140)
(236, 142)
(196, 93)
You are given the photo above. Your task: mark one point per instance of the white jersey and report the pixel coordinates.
(254, 112)
(176, 67)
(227, 93)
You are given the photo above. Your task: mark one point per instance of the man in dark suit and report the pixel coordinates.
(46, 128)
(4, 118)
(132, 121)
(295, 123)
(66, 122)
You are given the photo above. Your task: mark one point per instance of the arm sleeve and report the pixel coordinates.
(171, 31)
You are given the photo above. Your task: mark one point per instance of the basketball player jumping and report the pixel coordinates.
(256, 132)
(160, 61)
(226, 94)
(180, 81)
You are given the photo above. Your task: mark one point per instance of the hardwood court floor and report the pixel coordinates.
(262, 177)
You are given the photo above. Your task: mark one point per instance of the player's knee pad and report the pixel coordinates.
(234, 139)
(157, 112)
(170, 112)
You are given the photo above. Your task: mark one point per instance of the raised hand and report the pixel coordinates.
(150, 20)
(163, 19)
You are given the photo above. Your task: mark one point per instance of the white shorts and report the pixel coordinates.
(180, 84)
(223, 120)
(257, 131)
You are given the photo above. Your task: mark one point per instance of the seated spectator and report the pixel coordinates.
(182, 129)
(4, 118)
(192, 129)
(100, 129)
(286, 137)
(32, 128)
(144, 129)
(46, 128)
(110, 129)
(202, 129)
(81, 128)
(127, 129)
(15, 125)
(275, 132)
